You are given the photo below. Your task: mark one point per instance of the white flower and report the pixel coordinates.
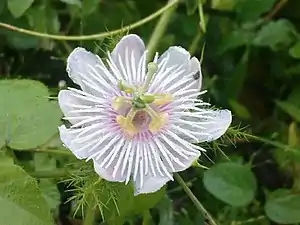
(137, 120)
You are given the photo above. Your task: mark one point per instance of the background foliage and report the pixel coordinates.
(250, 65)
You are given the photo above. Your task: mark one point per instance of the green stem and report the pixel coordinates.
(90, 212)
(273, 143)
(252, 220)
(160, 28)
(193, 47)
(201, 15)
(194, 199)
(92, 36)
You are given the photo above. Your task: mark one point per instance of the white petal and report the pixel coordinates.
(196, 73)
(127, 55)
(87, 69)
(188, 77)
(208, 128)
(181, 154)
(150, 184)
(88, 141)
(107, 174)
(177, 56)
(67, 101)
(67, 138)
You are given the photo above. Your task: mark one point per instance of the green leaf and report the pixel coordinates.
(294, 96)
(43, 19)
(235, 39)
(20, 200)
(295, 51)
(223, 4)
(252, 9)
(27, 118)
(72, 2)
(50, 193)
(240, 110)
(18, 7)
(275, 34)
(230, 182)
(2, 5)
(127, 204)
(235, 83)
(283, 208)
(89, 6)
(290, 109)
(44, 162)
(165, 208)
(191, 6)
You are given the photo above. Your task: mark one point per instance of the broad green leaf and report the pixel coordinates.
(234, 84)
(223, 4)
(166, 216)
(27, 118)
(72, 2)
(235, 39)
(252, 9)
(44, 162)
(240, 110)
(43, 18)
(127, 204)
(275, 34)
(295, 50)
(191, 6)
(89, 6)
(290, 109)
(5, 159)
(50, 193)
(18, 7)
(294, 96)
(293, 70)
(230, 182)
(2, 5)
(20, 200)
(284, 208)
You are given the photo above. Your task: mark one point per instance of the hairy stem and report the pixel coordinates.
(160, 29)
(194, 199)
(92, 36)
(90, 212)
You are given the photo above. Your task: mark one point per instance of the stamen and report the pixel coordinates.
(162, 99)
(127, 88)
(158, 120)
(152, 69)
(126, 123)
(118, 103)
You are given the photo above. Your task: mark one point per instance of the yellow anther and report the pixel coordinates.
(127, 88)
(127, 125)
(147, 98)
(118, 103)
(158, 122)
(162, 99)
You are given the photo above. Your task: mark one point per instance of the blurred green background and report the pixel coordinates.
(250, 65)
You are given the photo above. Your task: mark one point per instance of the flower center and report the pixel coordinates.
(141, 120)
(142, 110)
